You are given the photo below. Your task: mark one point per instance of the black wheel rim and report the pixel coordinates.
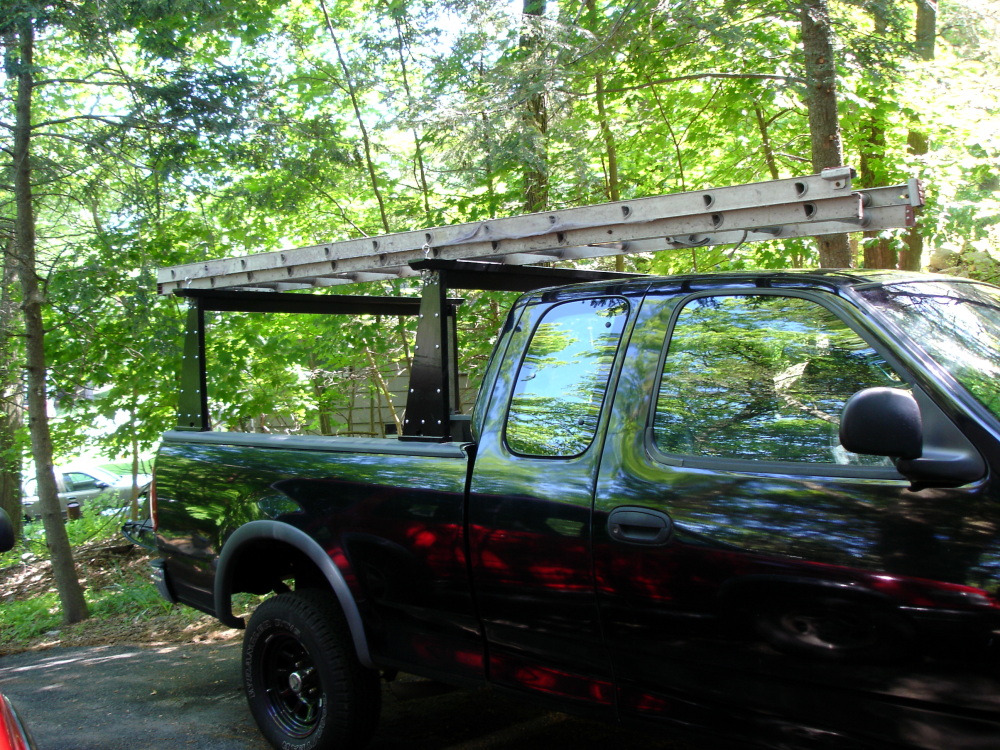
(830, 631)
(292, 685)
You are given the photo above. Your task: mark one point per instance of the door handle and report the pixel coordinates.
(643, 526)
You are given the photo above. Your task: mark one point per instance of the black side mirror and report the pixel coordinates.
(882, 422)
(6, 531)
(927, 448)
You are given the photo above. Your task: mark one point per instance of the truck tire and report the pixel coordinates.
(305, 686)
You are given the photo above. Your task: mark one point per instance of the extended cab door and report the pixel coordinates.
(531, 495)
(757, 578)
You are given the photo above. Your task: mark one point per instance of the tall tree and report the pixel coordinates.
(925, 35)
(604, 123)
(535, 117)
(926, 28)
(11, 384)
(70, 128)
(20, 40)
(824, 121)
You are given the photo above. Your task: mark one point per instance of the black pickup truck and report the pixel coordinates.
(756, 506)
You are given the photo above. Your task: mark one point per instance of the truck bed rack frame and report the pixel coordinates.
(500, 255)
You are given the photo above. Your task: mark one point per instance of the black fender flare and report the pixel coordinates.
(308, 546)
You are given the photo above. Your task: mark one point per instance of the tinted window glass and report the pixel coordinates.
(78, 481)
(763, 377)
(957, 324)
(561, 382)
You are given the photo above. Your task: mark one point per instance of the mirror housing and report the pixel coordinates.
(926, 447)
(883, 422)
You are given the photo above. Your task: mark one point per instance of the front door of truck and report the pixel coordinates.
(532, 490)
(755, 577)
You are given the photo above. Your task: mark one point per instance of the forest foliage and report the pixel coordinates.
(176, 131)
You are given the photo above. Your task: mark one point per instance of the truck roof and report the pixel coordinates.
(786, 278)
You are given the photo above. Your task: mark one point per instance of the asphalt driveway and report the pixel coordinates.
(170, 697)
(112, 697)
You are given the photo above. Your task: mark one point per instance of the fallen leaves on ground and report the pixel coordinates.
(105, 567)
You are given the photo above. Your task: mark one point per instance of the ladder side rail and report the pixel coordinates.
(579, 244)
(889, 207)
(882, 208)
(876, 220)
(846, 208)
(829, 184)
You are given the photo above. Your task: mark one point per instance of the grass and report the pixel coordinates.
(128, 598)
(124, 604)
(22, 621)
(134, 598)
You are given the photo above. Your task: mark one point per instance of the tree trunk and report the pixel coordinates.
(878, 251)
(536, 125)
(767, 150)
(911, 259)
(926, 28)
(134, 501)
(610, 147)
(11, 406)
(74, 607)
(824, 124)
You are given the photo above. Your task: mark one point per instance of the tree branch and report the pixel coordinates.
(698, 76)
(81, 81)
(74, 118)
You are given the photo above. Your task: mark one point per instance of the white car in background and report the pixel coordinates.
(78, 483)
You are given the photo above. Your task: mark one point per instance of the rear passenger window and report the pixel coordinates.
(763, 377)
(560, 385)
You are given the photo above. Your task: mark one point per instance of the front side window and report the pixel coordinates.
(762, 377)
(78, 481)
(560, 385)
(958, 324)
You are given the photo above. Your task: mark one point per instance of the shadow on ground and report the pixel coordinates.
(118, 697)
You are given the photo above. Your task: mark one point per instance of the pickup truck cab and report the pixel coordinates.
(757, 506)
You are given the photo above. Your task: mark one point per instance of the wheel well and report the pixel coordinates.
(263, 556)
(267, 565)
